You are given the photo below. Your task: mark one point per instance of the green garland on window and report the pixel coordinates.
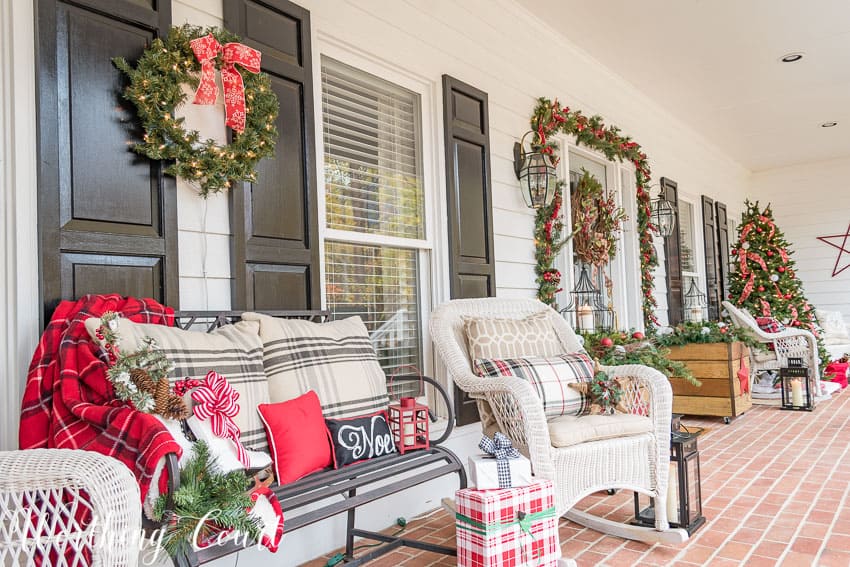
(548, 242)
(156, 90)
(550, 118)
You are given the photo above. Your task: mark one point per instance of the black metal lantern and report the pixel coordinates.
(797, 385)
(663, 216)
(536, 173)
(585, 311)
(695, 303)
(684, 495)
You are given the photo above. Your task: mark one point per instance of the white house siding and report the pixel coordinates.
(808, 201)
(493, 45)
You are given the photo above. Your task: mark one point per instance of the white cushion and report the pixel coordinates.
(834, 329)
(569, 430)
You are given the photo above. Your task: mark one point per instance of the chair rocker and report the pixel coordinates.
(637, 462)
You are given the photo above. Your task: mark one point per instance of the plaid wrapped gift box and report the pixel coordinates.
(507, 527)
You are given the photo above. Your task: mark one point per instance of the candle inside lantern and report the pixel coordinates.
(407, 418)
(673, 495)
(797, 392)
(585, 318)
(696, 314)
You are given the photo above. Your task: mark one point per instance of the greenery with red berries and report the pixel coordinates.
(764, 281)
(548, 243)
(616, 348)
(706, 332)
(550, 118)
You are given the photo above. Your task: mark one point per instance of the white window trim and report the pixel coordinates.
(625, 268)
(699, 241)
(434, 253)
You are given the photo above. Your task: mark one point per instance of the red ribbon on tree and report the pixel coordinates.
(206, 49)
(216, 401)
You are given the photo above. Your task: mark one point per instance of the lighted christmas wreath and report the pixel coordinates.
(189, 56)
(548, 119)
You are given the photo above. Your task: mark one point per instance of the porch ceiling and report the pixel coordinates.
(715, 65)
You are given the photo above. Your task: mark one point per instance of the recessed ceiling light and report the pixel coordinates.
(792, 57)
(829, 124)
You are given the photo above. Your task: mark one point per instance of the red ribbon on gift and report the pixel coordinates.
(206, 49)
(216, 401)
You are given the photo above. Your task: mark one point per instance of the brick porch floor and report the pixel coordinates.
(776, 489)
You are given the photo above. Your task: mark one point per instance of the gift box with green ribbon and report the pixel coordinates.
(507, 527)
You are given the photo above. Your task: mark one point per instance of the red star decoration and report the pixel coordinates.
(843, 248)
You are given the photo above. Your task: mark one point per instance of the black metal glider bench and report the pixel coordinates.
(344, 489)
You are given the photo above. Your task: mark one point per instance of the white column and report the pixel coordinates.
(19, 311)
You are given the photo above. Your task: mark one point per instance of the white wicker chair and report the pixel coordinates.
(791, 342)
(61, 505)
(638, 462)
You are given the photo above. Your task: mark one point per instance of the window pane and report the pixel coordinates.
(686, 237)
(379, 284)
(371, 136)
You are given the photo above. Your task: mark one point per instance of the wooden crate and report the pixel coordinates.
(716, 365)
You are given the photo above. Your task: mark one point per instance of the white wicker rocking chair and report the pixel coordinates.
(62, 505)
(791, 342)
(637, 462)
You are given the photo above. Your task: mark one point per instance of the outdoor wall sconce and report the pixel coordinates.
(663, 216)
(536, 173)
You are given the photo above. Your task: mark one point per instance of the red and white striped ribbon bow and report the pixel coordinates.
(216, 401)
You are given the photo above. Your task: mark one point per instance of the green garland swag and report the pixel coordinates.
(156, 90)
(548, 242)
(222, 498)
(549, 118)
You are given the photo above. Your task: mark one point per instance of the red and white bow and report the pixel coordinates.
(216, 401)
(206, 49)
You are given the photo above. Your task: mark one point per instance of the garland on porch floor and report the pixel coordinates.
(548, 119)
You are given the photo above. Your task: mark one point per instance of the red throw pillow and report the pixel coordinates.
(298, 437)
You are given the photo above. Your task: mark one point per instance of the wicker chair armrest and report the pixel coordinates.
(660, 396)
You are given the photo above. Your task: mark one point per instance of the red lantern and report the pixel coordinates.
(409, 424)
(409, 419)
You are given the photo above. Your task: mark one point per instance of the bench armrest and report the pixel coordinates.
(440, 390)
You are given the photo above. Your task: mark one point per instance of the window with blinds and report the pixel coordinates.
(371, 132)
(374, 185)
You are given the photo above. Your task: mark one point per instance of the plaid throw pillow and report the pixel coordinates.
(336, 360)
(769, 325)
(550, 377)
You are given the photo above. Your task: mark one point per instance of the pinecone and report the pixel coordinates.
(142, 380)
(175, 408)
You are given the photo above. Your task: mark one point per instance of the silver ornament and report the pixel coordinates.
(745, 245)
(774, 278)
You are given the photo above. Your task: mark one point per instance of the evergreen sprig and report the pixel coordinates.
(549, 118)
(222, 498)
(156, 89)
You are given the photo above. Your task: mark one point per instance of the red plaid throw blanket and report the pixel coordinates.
(69, 402)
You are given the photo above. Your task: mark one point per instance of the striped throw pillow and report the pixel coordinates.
(336, 360)
(550, 377)
(234, 351)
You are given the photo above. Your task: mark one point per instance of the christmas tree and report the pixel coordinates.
(765, 281)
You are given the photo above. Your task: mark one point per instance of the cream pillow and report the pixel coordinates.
(511, 338)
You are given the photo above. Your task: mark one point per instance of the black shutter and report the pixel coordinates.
(673, 257)
(275, 220)
(470, 211)
(712, 278)
(722, 220)
(107, 216)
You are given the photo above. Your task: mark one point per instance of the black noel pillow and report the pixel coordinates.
(360, 438)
